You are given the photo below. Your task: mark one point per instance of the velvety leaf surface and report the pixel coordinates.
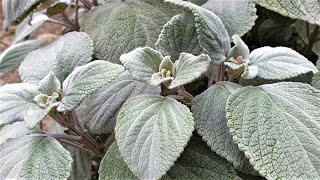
(14, 130)
(298, 9)
(210, 117)
(15, 100)
(118, 27)
(62, 56)
(49, 84)
(280, 63)
(316, 78)
(179, 35)
(151, 132)
(35, 114)
(98, 111)
(277, 126)
(212, 34)
(12, 56)
(238, 16)
(86, 79)
(34, 157)
(15, 11)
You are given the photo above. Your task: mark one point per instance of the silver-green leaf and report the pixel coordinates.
(49, 84)
(151, 133)
(34, 157)
(62, 56)
(15, 54)
(277, 126)
(15, 100)
(98, 111)
(35, 114)
(316, 78)
(86, 79)
(14, 130)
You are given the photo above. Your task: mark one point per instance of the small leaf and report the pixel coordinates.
(58, 7)
(11, 57)
(35, 114)
(62, 56)
(98, 111)
(14, 11)
(210, 117)
(142, 62)
(86, 79)
(30, 24)
(189, 68)
(179, 35)
(212, 34)
(239, 49)
(277, 126)
(14, 130)
(238, 16)
(34, 157)
(49, 84)
(15, 100)
(304, 10)
(151, 132)
(280, 63)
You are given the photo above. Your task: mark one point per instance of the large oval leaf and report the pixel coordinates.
(15, 54)
(98, 112)
(151, 132)
(238, 16)
(34, 157)
(15, 101)
(14, 130)
(280, 63)
(212, 34)
(62, 56)
(278, 128)
(119, 27)
(86, 79)
(210, 117)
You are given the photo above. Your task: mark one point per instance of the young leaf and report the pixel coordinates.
(58, 7)
(196, 162)
(14, 11)
(62, 56)
(239, 49)
(86, 79)
(35, 114)
(179, 35)
(151, 132)
(142, 62)
(11, 57)
(277, 126)
(238, 16)
(27, 26)
(212, 34)
(280, 63)
(34, 157)
(304, 10)
(15, 100)
(189, 68)
(210, 118)
(119, 27)
(14, 130)
(49, 84)
(98, 111)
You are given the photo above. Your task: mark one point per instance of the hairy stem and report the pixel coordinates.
(109, 142)
(77, 15)
(64, 137)
(313, 37)
(62, 23)
(187, 96)
(88, 4)
(78, 146)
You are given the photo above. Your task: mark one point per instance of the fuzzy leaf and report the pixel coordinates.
(14, 130)
(119, 27)
(98, 111)
(35, 114)
(11, 57)
(14, 11)
(86, 79)
(34, 157)
(62, 56)
(316, 78)
(142, 62)
(30, 24)
(189, 68)
(210, 117)
(238, 16)
(196, 162)
(239, 49)
(212, 34)
(15, 100)
(151, 132)
(179, 35)
(49, 84)
(298, 9)
(280, 63)
(277, 126)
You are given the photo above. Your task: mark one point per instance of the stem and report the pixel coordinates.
(64, 137)
(68, 20)
(218, 72)
(312, 40)
(177, 97)
(211, 78)
(88, 4)
(109, 142)
(60, 22)
(77, 15)
(78, 146)
(222, 72)
(187, 96)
